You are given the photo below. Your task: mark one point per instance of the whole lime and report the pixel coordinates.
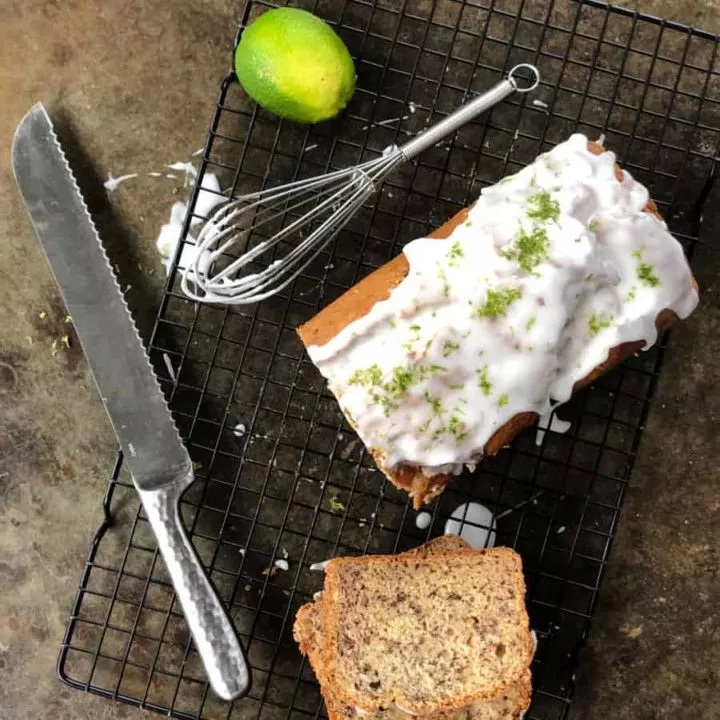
(295, 65)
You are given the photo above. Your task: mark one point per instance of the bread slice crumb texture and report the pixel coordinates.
(425, 633)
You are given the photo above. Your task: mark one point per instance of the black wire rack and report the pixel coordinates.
(280, 475)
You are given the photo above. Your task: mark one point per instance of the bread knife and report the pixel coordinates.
(158, 461)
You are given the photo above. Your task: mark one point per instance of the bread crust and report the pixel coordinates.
(332, 623)
(377, 286)
(303, 630)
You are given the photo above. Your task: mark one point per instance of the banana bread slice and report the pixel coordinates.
(425, 634)
(309, 632)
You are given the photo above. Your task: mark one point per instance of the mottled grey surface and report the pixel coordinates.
(135, 83)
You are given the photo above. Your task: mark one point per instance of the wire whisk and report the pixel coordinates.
(327, 203)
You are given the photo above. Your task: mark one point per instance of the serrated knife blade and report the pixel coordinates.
(156, 457)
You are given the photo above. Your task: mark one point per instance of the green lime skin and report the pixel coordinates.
(295, 65)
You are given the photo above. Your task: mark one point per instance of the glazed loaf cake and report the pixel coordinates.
(554, 276)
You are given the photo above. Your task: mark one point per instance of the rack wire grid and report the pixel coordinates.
(280, 474)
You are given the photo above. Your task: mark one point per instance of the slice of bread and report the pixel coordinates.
(425, 634)
(309, 628)
(309, 631)
(310, 634)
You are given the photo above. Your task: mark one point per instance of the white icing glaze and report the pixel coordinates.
(553, 423)
(423, 520)
(474, 523)
(319, 566)
(171, 232)
(112, 183)
(553, 267)
(209, 197)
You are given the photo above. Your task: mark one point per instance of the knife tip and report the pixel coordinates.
(37, 113)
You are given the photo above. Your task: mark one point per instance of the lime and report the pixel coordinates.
(293, 64)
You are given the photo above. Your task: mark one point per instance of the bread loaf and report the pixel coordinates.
(648, 297)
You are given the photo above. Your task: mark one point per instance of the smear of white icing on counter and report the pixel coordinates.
(553, 267)
(187, 167)
(171, 232)
(112, 183)
(474, 523)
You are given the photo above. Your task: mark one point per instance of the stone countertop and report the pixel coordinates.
(136, 82)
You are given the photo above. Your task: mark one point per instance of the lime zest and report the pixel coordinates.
(497, 302)
(646, 275)
(449, 347)
(484, 380)
(598, 322)
(542, 207)
(455, 253)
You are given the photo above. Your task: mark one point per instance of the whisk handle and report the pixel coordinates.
(470, 110)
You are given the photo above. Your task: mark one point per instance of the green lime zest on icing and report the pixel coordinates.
(497, 302)
(457, 429)
(446, 285)
(401, 379)
(645, 271)
(646, 275)
(589, 276)
(530, 249)
(542, 207)
(503, 400)
(435, 403)
(598, 322)
(530, 324)
(415, 330)
(594, 225)
(484, 381)
(367, 377)
(449, 347)
(631, 295)
(455, 253)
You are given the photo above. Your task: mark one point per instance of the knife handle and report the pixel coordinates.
(212, 631)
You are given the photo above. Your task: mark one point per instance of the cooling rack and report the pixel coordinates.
(282, 481)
